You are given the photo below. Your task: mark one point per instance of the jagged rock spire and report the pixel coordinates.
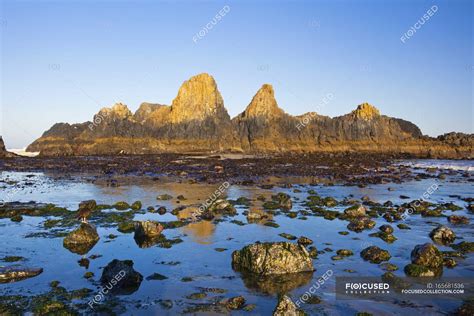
(197, 99)
(365, 111)
(263, 104)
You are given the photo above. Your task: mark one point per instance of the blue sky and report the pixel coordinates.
(63, 61)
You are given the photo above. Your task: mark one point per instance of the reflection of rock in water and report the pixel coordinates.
(278, 284)
(80, 249)
(147, 242)
(200, 231)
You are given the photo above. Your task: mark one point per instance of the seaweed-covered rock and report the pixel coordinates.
(121, 206)
(82, 239)
(361, 223)
(443, 234)
(355, 211)
(375, 254)
(387, 229)
(458, 219)
(286, 307)
(235, 302)
(283, 200)
(120, 276)
(164, 197)
(222, 206)
(256, 215)
(148, 229)
(464, 246)
(137, 205)
(416, 270)
(305, 241)
(427, 255)
(17, 273)
(272, 258)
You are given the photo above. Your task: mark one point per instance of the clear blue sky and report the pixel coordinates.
(63, 61)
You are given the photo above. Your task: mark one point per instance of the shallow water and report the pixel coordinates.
(209, 268)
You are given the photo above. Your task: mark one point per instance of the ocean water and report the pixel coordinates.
(196, 257)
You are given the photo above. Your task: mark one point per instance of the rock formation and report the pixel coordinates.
(426, 261)
(17, 273)
(197, 121)
(82, 239)
(3, 151)
(120, 277)
(272, 259)
(147, 229)
(286, 307)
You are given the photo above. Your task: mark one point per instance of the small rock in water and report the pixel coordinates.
(360, 224)
(344, 252)
(426, 261)
(17, 273)
(235, 303)
(164, 197)
(427, 255)
(137, 205)
(81, 240)
(156, 277)
(443, 234)
(458, 219)
(375, 254)
(286, 307)
(386, 229)
(355, 211)
(305, 241)
(121, 277)
(288, 236)
(150, 229)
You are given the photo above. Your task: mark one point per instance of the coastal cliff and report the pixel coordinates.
(197, 121)
(3, 151)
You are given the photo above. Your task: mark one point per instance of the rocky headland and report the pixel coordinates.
(3, 151)
(198, 122)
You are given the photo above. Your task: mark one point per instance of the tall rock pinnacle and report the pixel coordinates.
(263, 104)
(197, 99)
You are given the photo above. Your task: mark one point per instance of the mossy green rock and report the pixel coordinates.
(121, 206)
(375, 254)
(272, 258)
(81, 240)
(427, 255)
(415, 270)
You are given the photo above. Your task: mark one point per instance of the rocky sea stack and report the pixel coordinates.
(197, 121)
(3, 151)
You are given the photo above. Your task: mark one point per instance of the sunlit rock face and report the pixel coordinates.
(197, 121)
(277, 258)
(81, 240)
(3, 150)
